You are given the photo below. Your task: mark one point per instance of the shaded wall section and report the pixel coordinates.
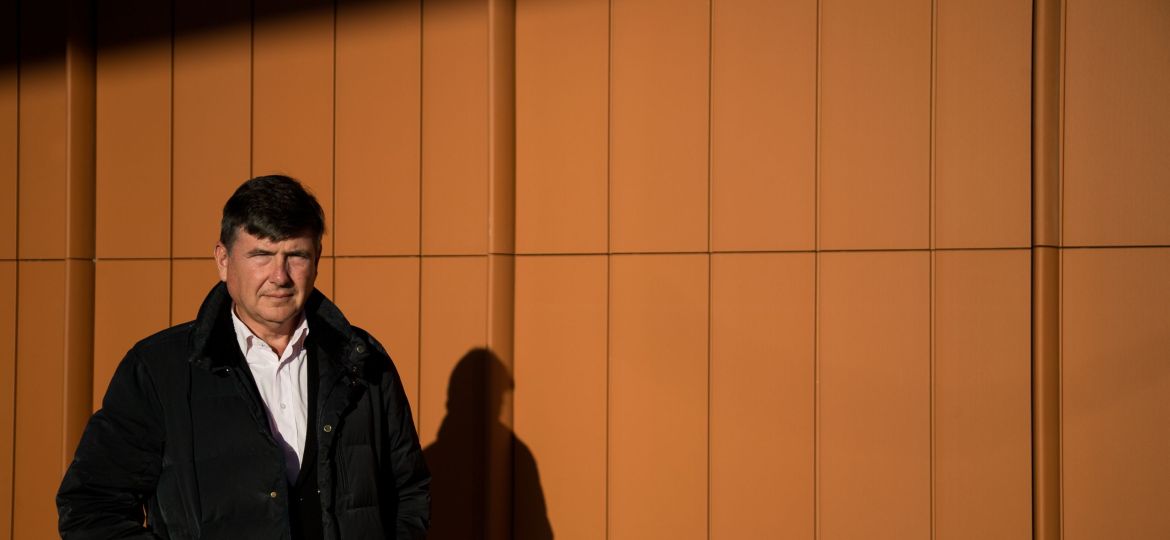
(1114, 254)
(728, 269)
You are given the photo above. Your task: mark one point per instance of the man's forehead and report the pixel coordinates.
(251, 241)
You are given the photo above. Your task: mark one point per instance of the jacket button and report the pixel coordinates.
(327, 429)
(272, 494)
(360, 348)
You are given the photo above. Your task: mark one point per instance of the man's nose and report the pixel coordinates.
(279, 272)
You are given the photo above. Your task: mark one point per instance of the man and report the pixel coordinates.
(268, 416)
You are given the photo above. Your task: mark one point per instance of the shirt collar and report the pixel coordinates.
(246, 338)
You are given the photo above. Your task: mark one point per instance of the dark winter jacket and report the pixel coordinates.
(182, 432)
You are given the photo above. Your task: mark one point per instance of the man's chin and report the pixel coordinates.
(280, 315)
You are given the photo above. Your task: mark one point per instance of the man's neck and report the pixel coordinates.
(276, 338)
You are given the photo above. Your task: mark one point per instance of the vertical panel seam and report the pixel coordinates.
(933, 464)
(1060, 382)
(609, 252)
(710, 225)
(1063, 55)
(17, 265)
(489, 114)
(171, 216)
(252, 88)
(418, 248)
(333, 154)
(816, 517)
(1063, 58)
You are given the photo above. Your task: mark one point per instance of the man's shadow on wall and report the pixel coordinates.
(477, 462)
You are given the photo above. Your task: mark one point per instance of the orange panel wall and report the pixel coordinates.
(982, 124)
(659, 129)
(763, 125)
(1113, 325)
(981, 425)
(381, 295)
(658, 414)
(8, 318)
(38, 442)
(191, 280)
(1116, 333)
(292, 96)
(705, 269)
(454, 127)
(561, 395)
(42, 116)
(562, 123)
(874, 395)
(1117, 123)
(762, 389)
(133, 131)
(377, 118)
(9, 139)
(875, 111)
(131, 301)
(8, 218)
(49, 304)
(212, 119)
(9, 128)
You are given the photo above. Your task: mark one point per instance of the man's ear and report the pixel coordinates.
(221, 260)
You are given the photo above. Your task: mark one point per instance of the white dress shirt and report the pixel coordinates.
(283, 385)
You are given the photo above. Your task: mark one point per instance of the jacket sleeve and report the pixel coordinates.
(117, 464)
(411, 478)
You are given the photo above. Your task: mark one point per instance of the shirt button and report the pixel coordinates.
(328, 428)
(283, 406)
(272, 494)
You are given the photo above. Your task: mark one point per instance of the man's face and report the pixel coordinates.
(268, 281)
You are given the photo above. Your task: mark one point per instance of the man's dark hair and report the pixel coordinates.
(274, 207)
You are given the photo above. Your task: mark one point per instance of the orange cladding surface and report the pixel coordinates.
(454, 156)
(133, 131)
(762, 383)
(452, 322)
(42, 116)
(212, 123)
(562, 102)
(1116, 331)
(982, 124)
(38, 443)
(131, 301)
(377, 120)
(732, 268)
(659, 67)
(658, 317)
(8, 320)
(292, 96)
(763, 125)
(1117, 123)
(982, 427)
(875, 124)
(560, 397)
(874, 397)
(381, 296)
(9, 129)
(191, 280)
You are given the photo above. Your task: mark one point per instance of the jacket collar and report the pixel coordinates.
(328, 326)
